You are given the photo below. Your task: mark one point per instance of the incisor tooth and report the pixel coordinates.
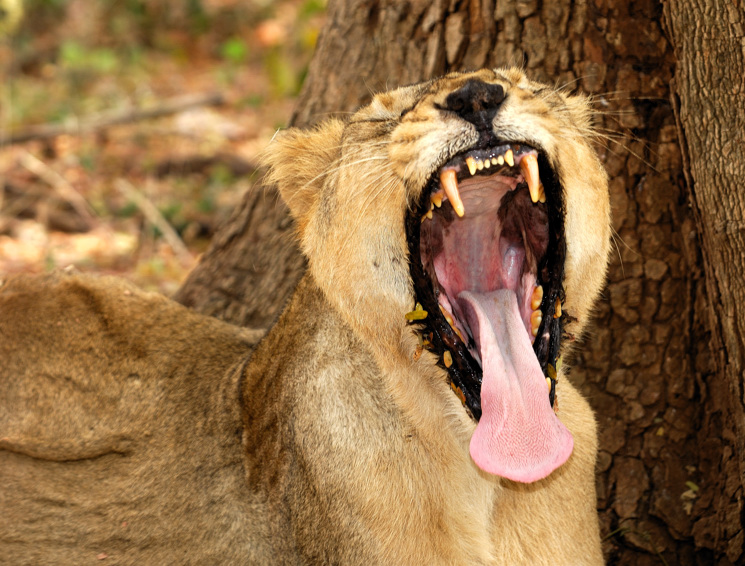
(480, 164)
(447, 357)
(471, 162)
(536, 297)
(450, 184)
(529, 168)
(535, 321)
(509, 158)
(437, 199)
(500, 160)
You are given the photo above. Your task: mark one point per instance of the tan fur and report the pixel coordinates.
(399, 460)
(350, 451)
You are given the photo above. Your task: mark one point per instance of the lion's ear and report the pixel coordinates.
(298, 162)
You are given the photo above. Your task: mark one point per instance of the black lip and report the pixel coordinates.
(465, 372)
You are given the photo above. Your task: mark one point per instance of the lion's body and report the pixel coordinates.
(119, 427)
(136, 429)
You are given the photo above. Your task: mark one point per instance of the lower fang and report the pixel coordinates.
(557, 309)
(548, 382)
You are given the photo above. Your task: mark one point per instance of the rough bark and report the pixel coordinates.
(669, 481)
(708, 94)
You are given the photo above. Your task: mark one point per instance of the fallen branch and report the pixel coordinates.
(63, 187)
(153, 215)
(113, 118)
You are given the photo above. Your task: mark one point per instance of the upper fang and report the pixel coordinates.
(449, 182)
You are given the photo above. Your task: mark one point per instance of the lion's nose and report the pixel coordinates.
(476, 101)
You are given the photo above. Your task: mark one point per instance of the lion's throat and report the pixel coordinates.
(518, 436)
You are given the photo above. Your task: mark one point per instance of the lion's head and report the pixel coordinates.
(469, 213)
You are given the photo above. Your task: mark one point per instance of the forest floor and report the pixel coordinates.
(102, 185)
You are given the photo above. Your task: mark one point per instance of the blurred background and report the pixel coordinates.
(129, 129)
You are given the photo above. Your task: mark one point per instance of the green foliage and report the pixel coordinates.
(282, 76)
(234, 50)
(311, 8)
(77, 57)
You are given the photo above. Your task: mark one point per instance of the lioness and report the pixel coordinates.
(408, 407)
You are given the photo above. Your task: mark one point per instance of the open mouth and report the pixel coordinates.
(487, 250)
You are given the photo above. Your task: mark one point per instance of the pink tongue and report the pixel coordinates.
(518, 436)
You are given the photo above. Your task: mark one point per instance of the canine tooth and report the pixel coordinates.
(437, 199)
(447, 357)
(500, 160)
(449, 182)
(480, 164)
(557, 308)
(529, 168)
(471, 162)
(536, 297)
(548, 382)
(535, 321)
(509, 158)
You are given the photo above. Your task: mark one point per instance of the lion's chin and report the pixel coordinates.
(487, 259)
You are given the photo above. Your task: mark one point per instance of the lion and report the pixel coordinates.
(408, 407)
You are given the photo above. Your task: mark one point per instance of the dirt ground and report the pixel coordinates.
(130, 130)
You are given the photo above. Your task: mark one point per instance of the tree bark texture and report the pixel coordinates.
(663, 364)
(709, 91)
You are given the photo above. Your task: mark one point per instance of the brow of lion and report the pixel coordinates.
(338, 164)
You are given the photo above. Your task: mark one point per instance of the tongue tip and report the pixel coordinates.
(496, 457)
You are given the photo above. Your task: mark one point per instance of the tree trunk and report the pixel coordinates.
(664, 362)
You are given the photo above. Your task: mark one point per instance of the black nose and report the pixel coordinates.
(476, 101)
